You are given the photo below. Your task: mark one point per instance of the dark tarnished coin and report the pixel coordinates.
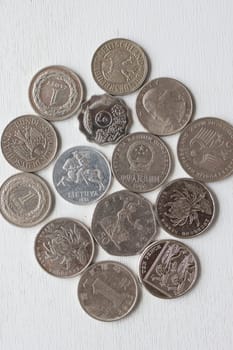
(123, 223)
(107, 291)
(119, 66)
(25, 199)
(205, 149)
(185, 208)
(82, 175)
(141, 162)
(164, 106)
(168, 269)
(29, 143)
(56, 93)
(64, 247)
(104, 119)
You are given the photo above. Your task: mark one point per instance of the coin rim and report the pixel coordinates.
(178, 148)
(197, 275)
(136, 299)
(208, 191)
(145, 61)
(92, 244)
(169, 161)
(140, 115)
(108, 166)
(154, 217)
(35, 169)
(69, 72)
(49, 201)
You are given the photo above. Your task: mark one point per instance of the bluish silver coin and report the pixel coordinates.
(82, 175)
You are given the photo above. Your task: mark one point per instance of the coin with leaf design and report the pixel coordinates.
(185, 208)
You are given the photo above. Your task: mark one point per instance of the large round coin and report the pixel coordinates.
(104, 119)
(29, 143)
(168, 269)
(55, 93)
(141, 162)
(164, 106)
(119, 66)
(123, 223)
(185, 208)
(205, 149)
(82, 175)
(64, 247)
(25, 199)
(107, 291)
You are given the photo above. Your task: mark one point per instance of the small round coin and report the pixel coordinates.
(64, 247)
(25, 199)
(164, 106)
(29, 143)
(56, 93)
(82, 175)
(104, 119)
(107, 291)
(119, 66)
(123, 223)
(205, 149)
(185, 208)
(141, 162)
(168, 269)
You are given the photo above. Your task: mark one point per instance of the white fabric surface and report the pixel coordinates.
(188, 40)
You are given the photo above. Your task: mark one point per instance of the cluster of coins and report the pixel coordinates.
(124, 223)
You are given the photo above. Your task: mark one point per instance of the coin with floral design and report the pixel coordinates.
(185, 208)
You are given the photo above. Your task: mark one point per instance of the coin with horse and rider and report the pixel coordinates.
(82, 175)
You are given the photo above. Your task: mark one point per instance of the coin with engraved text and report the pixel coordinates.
(29, 143)
(107, 291)
(104, 119)
(82, 175)
(56, 93)
(164, 106)
(205, 149)
(64, 247)
(141, 162)
(185, 208)
(119, 66)
(168, 269)
(25, 199)
(123, 223)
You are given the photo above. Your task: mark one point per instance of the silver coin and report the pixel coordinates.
(119, 66)
(82, 175)
(168, 269)
(205, 149)
(29, 143)
(64, 247)
(107, 291)
(56, 93)
(185, 208)
(25, 199)
(164, 106)
(123, 223)
(141, 162)
(104, 119)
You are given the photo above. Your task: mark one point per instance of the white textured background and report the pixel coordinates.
(188, 40)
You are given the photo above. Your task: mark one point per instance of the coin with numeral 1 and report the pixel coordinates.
(64, 247)
(107, 291)
(168, 269)
(56, 93)
(25, 199)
